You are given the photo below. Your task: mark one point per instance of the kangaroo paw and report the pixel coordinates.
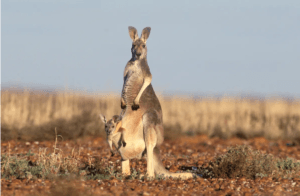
(135, 107)
(123, 106)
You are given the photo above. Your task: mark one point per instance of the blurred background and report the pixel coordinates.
(222, 68)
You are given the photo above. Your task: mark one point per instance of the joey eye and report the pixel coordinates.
(113, 126)
(144, 46)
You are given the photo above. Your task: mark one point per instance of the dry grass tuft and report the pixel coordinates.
(55, 164)
(243, 161)
(47, 165)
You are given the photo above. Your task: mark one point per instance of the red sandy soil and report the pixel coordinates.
(182, 153)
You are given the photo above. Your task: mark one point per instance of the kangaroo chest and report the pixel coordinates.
(133, 82)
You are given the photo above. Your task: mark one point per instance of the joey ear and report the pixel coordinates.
(145, 34)
(115, 118)
(133, 33)
(102, 117)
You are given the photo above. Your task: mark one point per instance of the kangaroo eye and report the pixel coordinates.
(144, 46)
(113, 126)
(133, 45)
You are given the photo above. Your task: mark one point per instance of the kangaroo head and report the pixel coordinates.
(110, 125)
(139, 48)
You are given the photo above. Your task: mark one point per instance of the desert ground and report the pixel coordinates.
(86, 167)
(54, 144)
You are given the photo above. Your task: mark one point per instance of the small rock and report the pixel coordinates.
(278, 188)
(217, 186)
(189, 151)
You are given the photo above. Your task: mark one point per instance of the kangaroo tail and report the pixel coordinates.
(161, 170)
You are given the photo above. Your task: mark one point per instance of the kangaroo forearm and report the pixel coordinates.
(147, 82)
(123, 104)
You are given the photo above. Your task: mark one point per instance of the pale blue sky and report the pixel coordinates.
(207, 47)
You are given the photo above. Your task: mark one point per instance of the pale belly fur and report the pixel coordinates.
(133, 135)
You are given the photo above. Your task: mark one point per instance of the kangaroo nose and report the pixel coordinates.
(138, 54)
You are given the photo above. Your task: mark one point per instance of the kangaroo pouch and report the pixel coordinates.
(132, 123)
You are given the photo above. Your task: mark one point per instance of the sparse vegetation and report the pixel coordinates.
(238, 161)
(55, 164)
(243, 161)
(85, 167)
(44, 165)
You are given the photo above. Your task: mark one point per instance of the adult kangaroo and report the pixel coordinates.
(142, 121)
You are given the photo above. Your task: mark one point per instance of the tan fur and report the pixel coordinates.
(114, 132)
(141, 115)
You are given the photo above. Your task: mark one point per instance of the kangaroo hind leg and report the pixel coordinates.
(150, 137)
(126, 167)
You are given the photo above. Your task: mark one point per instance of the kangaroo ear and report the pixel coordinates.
(102, 117)
(145, 34)
(133, 33)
